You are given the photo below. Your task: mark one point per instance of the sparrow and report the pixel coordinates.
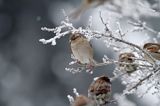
(85, 5)
(82, 100)
(100, 90)
(154, 50)
(82, 50)
(127, 58)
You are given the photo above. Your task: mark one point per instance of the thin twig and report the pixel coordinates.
(123, 41)
(117, 62)
(145, 78)
(143, 25)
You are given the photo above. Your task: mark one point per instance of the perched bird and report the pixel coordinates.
(127, 58)
(82, 100)
(100, 90)
(85, 5)
(82, 50)
(154, 50)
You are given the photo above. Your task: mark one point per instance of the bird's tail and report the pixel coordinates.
(93, 62)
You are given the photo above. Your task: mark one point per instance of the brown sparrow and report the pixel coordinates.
(82, 100)
(86, 4)
(154, 50)
(127, 58)
(82, 49)
(100, 90)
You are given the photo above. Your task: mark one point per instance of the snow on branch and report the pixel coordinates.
(141, 26)
(123, 101)
(112, 38)
(137, 68)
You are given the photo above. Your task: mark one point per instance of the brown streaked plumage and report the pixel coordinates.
(127, 58)
(100, 90)
(82, 100)
(82, 49)
(153, 49)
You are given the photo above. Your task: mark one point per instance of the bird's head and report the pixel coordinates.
(126, 57)
(75, 36)
(152, 47)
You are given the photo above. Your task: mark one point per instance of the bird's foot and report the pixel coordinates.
(78, 62)
(90, 68)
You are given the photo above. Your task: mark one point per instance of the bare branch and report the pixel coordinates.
(143, 26)
(123, 41)
(144, 79)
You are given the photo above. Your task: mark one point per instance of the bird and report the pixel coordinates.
(127, 58)
(100, 90)
(82, 50)
(85, 5)
(154, 50)
(82, 100)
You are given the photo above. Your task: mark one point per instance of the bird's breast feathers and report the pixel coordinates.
(156, 55)
(82, 51)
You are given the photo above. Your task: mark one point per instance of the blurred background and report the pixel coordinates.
(33, 74)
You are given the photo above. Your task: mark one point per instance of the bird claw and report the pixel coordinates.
(90, 68)
(78, 62)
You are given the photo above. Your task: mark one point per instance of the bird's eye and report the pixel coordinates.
(130, 59)
(74, 37)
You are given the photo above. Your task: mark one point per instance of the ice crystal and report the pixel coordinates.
(147, 73)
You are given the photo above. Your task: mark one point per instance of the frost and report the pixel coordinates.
(141, 76)
(123, 101)
(147, 73)
(75, 92)
(70, 98)
(72, 62)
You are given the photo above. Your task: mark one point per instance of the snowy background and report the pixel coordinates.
(32, 74)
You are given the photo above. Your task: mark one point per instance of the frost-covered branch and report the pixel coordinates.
(139, 25)
(145, 78)
(110, 36)
(135, 68)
